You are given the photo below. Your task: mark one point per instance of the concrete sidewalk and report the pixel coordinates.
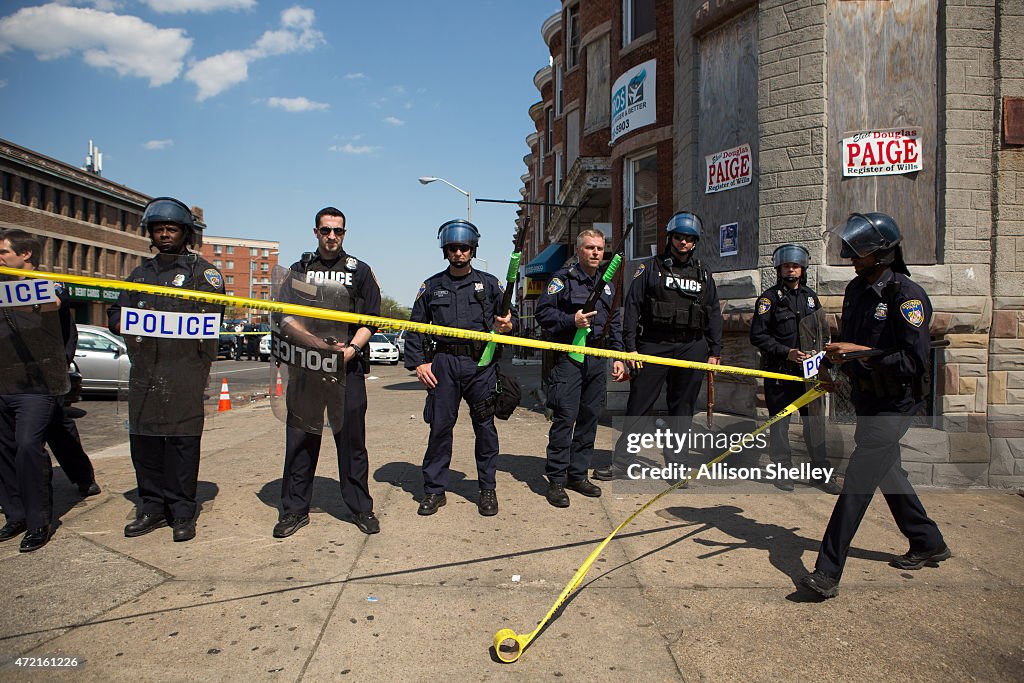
(699, 588)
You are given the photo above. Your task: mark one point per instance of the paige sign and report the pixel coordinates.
(728, 169)
(882, 152)
(633, 99)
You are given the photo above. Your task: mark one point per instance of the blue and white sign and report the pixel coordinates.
(811, 365)
(146, 323)
(27, 293)
(633, 103)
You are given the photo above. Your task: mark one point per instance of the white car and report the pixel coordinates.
(382, 350)
(102, 358)
(265, 348)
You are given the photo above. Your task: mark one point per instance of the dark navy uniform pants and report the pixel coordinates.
(576, 394)
(63, 439)
(777, 395)
(302, 452)
(875, 463)
(167, 473)
(645, 388)
(458, 378)
(26, 477)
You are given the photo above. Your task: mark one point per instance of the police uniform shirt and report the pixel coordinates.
(354, 274)
(662, 278)
(469, 302)
(565, 294)
(775, 328)
(892, 313)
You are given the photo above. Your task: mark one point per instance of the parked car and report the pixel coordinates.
(382, 350)
(398, 342)
(102, 359)
(265, 348)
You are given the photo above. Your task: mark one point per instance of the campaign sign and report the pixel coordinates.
(27, 293)
(811, 365)
(633, 99)
(728, 169)
(882, 152)
(148, 323)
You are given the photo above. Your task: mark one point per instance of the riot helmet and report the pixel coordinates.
(170, 210)
(685, 223)
(458, 231)
(791, 253)
(873, 233)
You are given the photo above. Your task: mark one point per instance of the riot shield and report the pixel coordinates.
(814, 334)
(171, 343)
(32, 355)
(309, 362)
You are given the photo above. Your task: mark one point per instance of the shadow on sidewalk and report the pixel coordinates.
(206, 492)
(409, 478)
(325, 497)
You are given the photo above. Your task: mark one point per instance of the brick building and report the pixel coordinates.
(90, 224)
(247, 266)
(786, 82)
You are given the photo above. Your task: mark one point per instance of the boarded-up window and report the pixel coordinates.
(572, 137)
(886, 78)
(599, 101)
(728, 118)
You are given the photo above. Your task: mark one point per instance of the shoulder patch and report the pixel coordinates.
(913, 312)
(764, 304)
(351, 263)
(214, 277)
(423, 288)
(555, 286)
(640, 270)
(811, 303)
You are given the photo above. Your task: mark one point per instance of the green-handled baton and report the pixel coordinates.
(511, 277)
(591, 303)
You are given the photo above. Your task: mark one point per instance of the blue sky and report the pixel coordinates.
(263, 112)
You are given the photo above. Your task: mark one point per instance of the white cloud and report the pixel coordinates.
(349, 148)
(128, 45)
(205, 6)
(216, 74)
(394, 121)
(296, 104)
(158, 144)
(3, 83)
(358, 76)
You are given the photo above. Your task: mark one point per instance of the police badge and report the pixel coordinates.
(881, 311)
(178, 280)
(351, 263)
(913, 312)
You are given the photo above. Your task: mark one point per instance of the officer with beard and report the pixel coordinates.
(671, 310)
(168, 375)
(463, 297)
(330, 264)
(883, 309)
(775, 330)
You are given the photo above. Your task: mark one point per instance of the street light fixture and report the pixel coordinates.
(427, 179)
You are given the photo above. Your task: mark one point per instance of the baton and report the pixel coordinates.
(878, 353)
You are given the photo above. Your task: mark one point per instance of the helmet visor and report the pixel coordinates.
(860, 238)
(167, 211)
(457, 234)
(790, 253)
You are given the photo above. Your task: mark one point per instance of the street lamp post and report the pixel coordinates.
(427, 179)
(252, 263)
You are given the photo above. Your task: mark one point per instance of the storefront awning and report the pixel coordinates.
(547, 261)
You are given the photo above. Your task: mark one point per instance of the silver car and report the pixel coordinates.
(102, 358)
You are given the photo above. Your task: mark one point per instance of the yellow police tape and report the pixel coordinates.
(509, 645)
(359, 319)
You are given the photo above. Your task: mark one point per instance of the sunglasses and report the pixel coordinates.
(683, 237)
(452, 248)
(327, 231)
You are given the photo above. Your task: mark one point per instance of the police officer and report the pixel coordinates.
(576, 391)
(884, 310)
(775, 331)
(331, 264)
(463, 297)
(671, 310)
(33, 378)
(168, 375)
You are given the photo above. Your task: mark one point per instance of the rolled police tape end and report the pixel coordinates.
(509, 645)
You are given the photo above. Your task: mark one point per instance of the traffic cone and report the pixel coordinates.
(279, 390)
(225, 397)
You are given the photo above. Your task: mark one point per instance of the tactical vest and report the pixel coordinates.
(675, 308)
